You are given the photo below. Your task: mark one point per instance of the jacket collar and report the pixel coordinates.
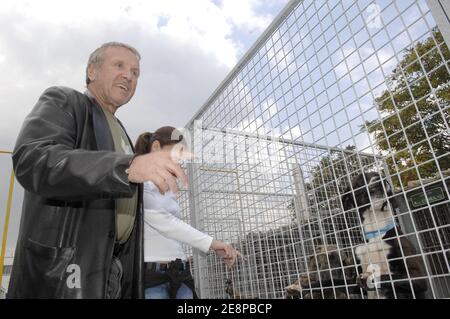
(102, 132)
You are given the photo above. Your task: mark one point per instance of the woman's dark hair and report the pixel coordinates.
(166, 135)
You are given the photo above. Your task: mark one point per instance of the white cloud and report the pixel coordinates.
(296, 132)
(253, 125)
(200, 21)
(242, 14)
(273, 109)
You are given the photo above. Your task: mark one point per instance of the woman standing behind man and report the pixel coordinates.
(167, 271)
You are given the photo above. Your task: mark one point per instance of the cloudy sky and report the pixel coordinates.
(187, 49)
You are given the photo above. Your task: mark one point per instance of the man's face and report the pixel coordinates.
(115, 79)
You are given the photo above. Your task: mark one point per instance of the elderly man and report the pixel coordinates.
(81, 233)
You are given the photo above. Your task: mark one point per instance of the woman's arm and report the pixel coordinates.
(172, 227)
(158, 216)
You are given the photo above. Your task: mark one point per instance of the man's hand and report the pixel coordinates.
(158, 167)
(226, 251)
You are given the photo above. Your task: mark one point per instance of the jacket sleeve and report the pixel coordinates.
(46, 162)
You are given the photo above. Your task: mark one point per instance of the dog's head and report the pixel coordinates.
(367, 188)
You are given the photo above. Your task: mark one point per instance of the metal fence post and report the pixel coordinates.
(441, 13)
(6, 224)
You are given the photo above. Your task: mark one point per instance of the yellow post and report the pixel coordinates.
(5, 226)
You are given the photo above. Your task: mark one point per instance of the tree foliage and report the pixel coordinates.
(415, 110)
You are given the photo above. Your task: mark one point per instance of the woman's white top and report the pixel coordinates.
(164, 231)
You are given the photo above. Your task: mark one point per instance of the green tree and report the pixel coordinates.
(416, 104)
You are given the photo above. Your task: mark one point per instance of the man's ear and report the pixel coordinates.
(92, 72)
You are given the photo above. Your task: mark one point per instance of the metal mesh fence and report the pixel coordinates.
(324, 158)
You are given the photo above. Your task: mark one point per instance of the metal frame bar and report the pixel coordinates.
(6, 223)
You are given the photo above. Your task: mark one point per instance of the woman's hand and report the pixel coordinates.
(226, 251)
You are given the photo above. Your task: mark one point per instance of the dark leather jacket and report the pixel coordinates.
(64, 159)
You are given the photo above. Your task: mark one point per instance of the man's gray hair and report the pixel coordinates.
(96, 57)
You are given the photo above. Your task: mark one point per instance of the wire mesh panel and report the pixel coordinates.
(324, 158)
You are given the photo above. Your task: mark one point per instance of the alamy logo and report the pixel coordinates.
(374, 18)
(74, 279)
